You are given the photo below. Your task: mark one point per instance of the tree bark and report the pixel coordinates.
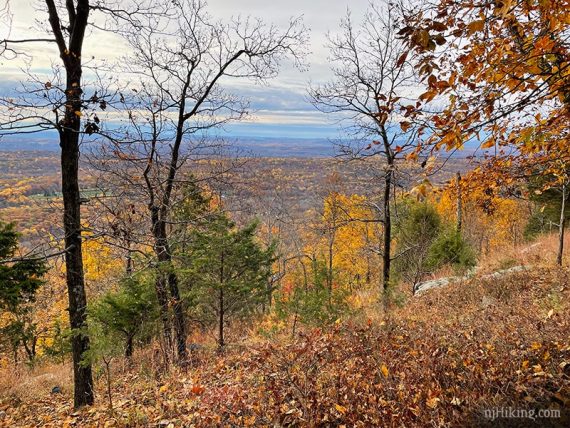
(330, 264)
(108, 373)
(167, 289)
(160, 284)
(561, 227)
(30, 351)
(459, 204)
(129, 263)
(386, 250)
(179, 316)
(167, 283)
(83, 378)
(129, 346)
(221, 304)
(69, 129)
(221, 341)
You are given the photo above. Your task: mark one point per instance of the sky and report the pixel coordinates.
(280, 108)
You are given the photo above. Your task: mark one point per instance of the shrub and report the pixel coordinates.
(417, 227)
(451, 249)
(227, 271)
(127, 312)
(314, 305)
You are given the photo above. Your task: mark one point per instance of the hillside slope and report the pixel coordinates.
(440, 360)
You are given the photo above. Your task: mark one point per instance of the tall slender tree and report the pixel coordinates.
(371, 92)
(60, 104)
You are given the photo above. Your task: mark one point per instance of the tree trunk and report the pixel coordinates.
(368, 264)
(168, 278)
(459, 204)
(69, 128)
(160, 284)
(330, 267)
(30, 349)
(221, 304)
(83, 378)
(561, 227)
(129, 346)
(108, 373)
(129, 264)
(386, 253)
(221, 342)
(179, 317)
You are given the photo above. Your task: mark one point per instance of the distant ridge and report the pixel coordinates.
(245, 146)
(279, 147)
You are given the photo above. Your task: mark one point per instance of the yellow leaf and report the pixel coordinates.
(422, 38)
(432, 402)
(249, 421)
(163, 388)
(340, 409)
(78, 113)
(384, 370)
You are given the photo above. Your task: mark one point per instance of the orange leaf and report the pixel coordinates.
(198, 389)
(402, 59)
(475, 26)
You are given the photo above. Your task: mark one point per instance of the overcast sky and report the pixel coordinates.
(281, 108)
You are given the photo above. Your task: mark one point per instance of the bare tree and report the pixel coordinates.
(179, 100)
(371, 93)
(60, 105)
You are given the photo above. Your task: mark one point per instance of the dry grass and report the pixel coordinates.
(438, 360)
(540, 253)
(25, 384)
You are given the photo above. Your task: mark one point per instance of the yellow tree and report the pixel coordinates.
(348, 231)
(490, 219)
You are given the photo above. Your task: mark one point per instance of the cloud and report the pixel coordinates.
(281, 106)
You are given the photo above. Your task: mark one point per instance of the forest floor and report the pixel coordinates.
(476, 353)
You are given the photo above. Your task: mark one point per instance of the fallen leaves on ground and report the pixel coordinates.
(439, 360)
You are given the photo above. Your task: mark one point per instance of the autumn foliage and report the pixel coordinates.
(403, 287)
(445, 357)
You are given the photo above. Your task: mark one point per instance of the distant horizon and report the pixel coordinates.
(250, 146)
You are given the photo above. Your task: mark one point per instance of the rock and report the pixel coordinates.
(2, 414)
(427, 285)
(503, 272)
(56, 390)
(487, 301)
(435, 283)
